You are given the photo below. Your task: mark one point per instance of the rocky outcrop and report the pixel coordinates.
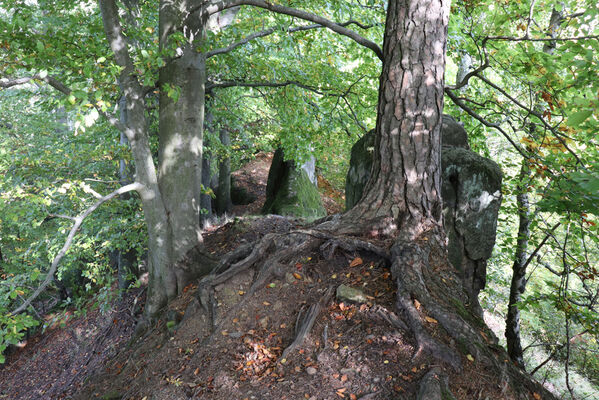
(289, 191)
(471, 191)
(471, 194)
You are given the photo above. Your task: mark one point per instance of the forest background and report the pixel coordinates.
(521, 77)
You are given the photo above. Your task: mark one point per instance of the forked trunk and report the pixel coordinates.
(171, 195)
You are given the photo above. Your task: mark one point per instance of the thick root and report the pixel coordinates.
(270, 257)
(303, 327)
(434, 386)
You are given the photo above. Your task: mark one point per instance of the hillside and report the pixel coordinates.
(246, 346)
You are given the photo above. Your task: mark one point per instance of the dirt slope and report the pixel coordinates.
(232, 346)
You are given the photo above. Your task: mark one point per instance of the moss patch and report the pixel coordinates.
(290, 192)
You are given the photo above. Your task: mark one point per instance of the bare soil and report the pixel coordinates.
(351, 352)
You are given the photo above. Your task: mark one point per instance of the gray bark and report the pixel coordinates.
(124, 260)
(518, 283)
(166, 279)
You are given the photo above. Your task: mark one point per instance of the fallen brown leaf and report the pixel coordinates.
(356, 261)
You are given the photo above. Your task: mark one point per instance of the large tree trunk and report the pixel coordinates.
(171, 199)
(404, 192)
(181, 135)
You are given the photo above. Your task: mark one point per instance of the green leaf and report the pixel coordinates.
(579, 117)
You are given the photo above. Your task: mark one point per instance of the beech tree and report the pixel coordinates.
(170, 188)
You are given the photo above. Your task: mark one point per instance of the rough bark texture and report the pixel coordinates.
(404, 192)
(471, 192)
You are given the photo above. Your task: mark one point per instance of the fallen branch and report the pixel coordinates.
(78, 221)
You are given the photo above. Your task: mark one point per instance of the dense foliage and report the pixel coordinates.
(311, 91)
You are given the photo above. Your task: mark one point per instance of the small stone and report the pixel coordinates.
(376, 380)
(311, 371)
(348, 293)
(278, 305)
(263, 323)
(347, 371)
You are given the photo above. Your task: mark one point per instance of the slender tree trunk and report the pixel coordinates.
(518, 285)
(404, 191)
(205, 197)
(124, 260)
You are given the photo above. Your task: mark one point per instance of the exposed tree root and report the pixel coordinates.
(303, 328)
(426, 283)
(390, 317)
(434, 386)
(428, 293)
(270, 256)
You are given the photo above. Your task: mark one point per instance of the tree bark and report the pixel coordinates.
(404, 193)
(181, 137)
(518, 285)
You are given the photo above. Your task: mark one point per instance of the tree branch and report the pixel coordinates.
(272, 30)
(61, 87)
(228, 84)
(540, 245)
(205, 10)
(479, 118)
(239, 43)
(536, 114)
(78, 221)
(529, 39)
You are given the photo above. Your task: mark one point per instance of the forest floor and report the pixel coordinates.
(234, 351)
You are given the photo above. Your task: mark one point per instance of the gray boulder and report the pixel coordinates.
(452, 133)
(471, 192)
(359, 169)
(289, 191)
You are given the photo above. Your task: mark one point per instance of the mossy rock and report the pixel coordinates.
(471, 192)
(290, 192)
